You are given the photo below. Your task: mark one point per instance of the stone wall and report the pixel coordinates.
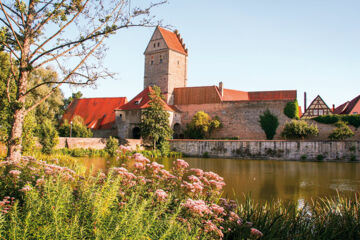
(240, 119)
(326, 129)
(94, 143)
(282, 150)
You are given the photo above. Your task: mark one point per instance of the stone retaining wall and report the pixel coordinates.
(276, 149)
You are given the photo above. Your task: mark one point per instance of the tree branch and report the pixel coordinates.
(59, 31)
(65, 78)
(11, 27)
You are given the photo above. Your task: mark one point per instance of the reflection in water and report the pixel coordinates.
(268, 179)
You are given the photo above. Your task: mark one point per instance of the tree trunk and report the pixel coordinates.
(15, 141)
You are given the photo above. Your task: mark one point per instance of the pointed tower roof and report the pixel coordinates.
(173, 40)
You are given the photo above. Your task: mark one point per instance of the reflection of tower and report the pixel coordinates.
(165, 62)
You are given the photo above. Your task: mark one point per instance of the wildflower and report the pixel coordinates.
(256, 233)
(217, 209)
(139, 165)
(161, 195)
(138, 157)
(198, 172)
(156, 167)
(15, 173)
(180, 164)
(40, 182)
(211, 227)
(197, 207)
(26, 188)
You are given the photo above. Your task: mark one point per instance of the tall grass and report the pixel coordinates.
(324, 218)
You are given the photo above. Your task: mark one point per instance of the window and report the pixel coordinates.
(316, 112)
(161, 59)
(154, 45)
(355, 113)
(120, 116)
(152, 60)
(321, 112)
(158, 44)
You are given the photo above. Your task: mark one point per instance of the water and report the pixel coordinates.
(269, 180)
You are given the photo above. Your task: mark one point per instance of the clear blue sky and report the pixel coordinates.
(253, 45)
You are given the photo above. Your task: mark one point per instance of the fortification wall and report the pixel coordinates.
(282, 150)
(240, 119)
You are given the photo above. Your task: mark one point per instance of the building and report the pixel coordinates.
(317, 107)
(98, 114)
(166, 66)
(349, 107)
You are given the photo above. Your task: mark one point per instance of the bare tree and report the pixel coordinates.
(68, 33)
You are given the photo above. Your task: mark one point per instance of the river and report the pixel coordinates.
(267, 180)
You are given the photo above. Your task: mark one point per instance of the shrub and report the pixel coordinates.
(202, 125)
(112, 145)
(48, 136)
(353, 120)
(299, 129)
(78, 128)
(269, 123)
(291, 110)
(341, 132)
(28, 134)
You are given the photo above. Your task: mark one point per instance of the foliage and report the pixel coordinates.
(201, 126)
(112, 146)
(299, 129)
(28, 136)
(341, 132)
(291, 110)
(48, 136)
(269, 123)
(141, 201)
(155, 125)
(353, 119)
(78, 128)
(68, 33)
(324, 218)
(68, 100)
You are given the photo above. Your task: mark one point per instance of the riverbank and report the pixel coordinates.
(274, 149)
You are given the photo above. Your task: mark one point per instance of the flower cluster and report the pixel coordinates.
(6, 204)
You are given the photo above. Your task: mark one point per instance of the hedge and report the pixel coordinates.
(353, 120)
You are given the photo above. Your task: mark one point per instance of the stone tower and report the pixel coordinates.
(166, 62)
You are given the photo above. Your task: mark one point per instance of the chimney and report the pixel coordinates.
(333, 109)
(221, 88)
(305, 102)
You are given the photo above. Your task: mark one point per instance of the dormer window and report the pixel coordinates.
(138, 101)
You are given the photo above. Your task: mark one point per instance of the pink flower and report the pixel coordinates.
(211, 227)
(156, 167)
(138, 157)
(40, 182)
(213, 176)
(15, 173)
(197, 207)
(180, 164)
(198, 172)
(139, 165)
(217, 209)
(161, 195)
(26, 188)
(256, 233)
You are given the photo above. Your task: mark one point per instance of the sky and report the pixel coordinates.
(252, 45)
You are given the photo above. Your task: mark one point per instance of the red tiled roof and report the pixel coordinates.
(141, 101)
(347, 107)
(300, 111)
(172, 41)
(98, 113)
(235, 95)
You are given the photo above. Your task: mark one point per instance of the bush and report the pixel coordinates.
(353, 120)
(291, 110)
(269, 123)
(341, 132)
(48, 136)
(78, 129)
(201, 126)
(112, 145)
(299, 129)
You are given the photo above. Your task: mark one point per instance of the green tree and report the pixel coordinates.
(112, 145)
(291, 110)
(269, 123)
(341, 132)
(68, 100)
(78, 128)
(68, 33)
(202, 126)
(299, 129)
(48, 136)
(155, 125)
